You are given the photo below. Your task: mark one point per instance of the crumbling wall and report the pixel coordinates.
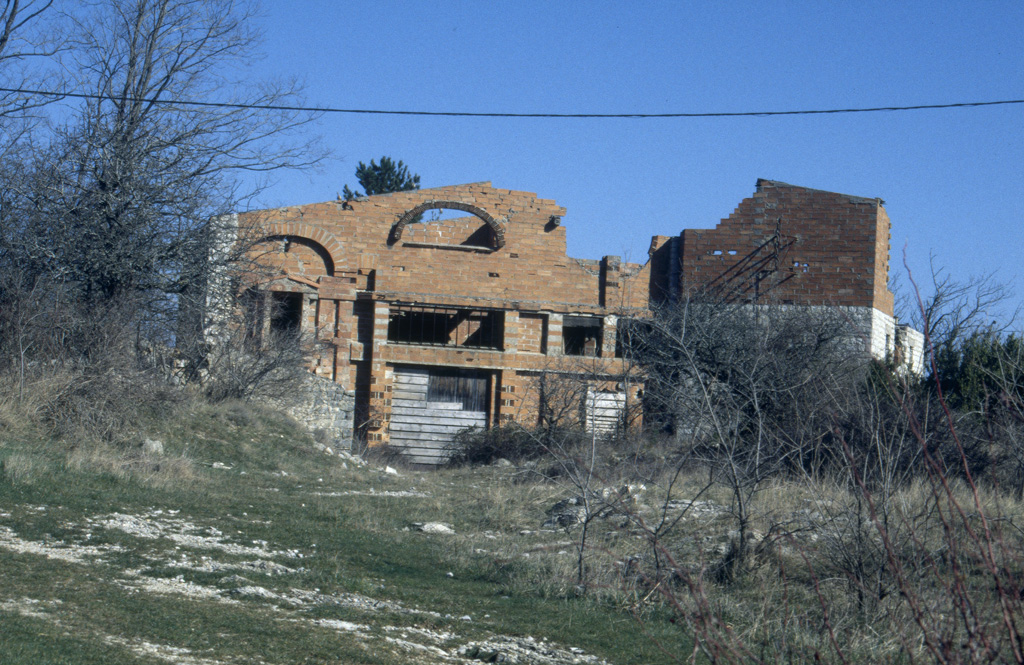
(499, 274)
(793, 245)
(515, 308)
(326, 409)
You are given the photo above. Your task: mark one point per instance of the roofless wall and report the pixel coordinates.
(428, 321)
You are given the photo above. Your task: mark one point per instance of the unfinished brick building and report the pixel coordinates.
(432, 323)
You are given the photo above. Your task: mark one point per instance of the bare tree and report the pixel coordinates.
(31, 31)
(956, 309)
(122, 203)
(741, 386)
(126, 200)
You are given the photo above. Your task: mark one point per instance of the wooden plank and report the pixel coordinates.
(423, 437)
(462, 418)
(420, 404)
(456, 420)
(436, 425)
(415, 439)
(410, 376)
(435, 451)
(425, 430)
(413, 447)
(451, 429)
(410, 384)
(437, 417)
(406, 375)
(418, 426)
(407, 406)
(438, 451)
(408, 428)
(398, 389)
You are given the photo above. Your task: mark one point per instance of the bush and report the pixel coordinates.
(235, 369)
(513, 443)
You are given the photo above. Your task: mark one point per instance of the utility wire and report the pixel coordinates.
(469, 114)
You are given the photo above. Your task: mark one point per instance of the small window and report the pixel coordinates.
(581, 336)
(285, 312)
(625, 340)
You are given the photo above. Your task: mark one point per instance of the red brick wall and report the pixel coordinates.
(794, 245)
(532, 266)
(532, 330)
(295, 256)
(785, 243)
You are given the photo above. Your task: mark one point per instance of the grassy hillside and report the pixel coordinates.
(242, 542)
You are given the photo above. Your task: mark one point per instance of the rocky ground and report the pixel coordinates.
(165, 552)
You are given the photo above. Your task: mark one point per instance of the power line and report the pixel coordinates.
(470, 114)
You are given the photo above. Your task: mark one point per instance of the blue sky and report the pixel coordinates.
(953, 180)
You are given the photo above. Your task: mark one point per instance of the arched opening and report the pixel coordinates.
(294, 255)
(449, 226)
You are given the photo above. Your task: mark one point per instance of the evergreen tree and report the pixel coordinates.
(983, 372)
(383, 178)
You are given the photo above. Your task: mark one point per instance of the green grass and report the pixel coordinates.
(275, 489)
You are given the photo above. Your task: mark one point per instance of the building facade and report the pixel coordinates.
(440, 309)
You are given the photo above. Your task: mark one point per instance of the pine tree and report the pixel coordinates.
(383, 178)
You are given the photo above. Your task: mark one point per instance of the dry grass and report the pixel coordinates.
(28, 413)
(21, 468)
(830, 569)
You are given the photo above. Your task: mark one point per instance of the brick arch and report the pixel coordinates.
(313, 234)
(496, 226)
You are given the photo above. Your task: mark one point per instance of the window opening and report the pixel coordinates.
(463, 387)
(446, 326)
(449, 227)
(628, 335)
(581, 336)
(632, 339)
(286, 312)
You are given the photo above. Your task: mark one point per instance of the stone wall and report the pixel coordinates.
(326, 410)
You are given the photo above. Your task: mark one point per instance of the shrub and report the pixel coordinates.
(514, 443)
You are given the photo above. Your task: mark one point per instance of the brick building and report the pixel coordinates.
(457, 306)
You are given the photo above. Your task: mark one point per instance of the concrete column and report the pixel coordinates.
(554, 344)
(511, 341)
(609, 335)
